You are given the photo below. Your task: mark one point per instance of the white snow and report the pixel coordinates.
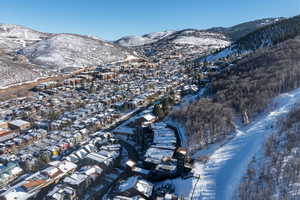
(210, 149)
(159, 35)
(199, 41)
(16, 31)
(180, 130)
(13, 73)
(222, 54)
(133, 41)
(128, 41)
(221, 175)
(75, 51)
(130, 57)
(16, 171)
(14, 37)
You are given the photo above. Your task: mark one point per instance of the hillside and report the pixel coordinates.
(228, 160)
(41, 53)
(266, 36)
(274, 174)
(69, 51)
(184, 44)
(191, 42)
(234, 33)
(15, 69)
(129, 41)
(14, 37)
(66, 52)
(238, 31)
(244, 91)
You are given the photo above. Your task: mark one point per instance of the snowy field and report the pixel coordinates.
(129, 41)
(221, 175)
(205, 41)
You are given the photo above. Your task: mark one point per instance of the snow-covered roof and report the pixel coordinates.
(124, 130)
(75, 178)
(149, 117)
(144, 187)
(19, 123)
(158, 154)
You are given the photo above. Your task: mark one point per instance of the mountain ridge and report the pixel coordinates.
(73, 50)
(238, 31)
(38, 54)
(262, 37)
(54, 52)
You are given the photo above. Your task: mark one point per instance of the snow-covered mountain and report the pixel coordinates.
(248, 89)
(234, 32)
(268, 35)
(185, 43)
(39, 54)
(198, 38)
(199, 42)
(14, 37)
(66, 51)
(238, 31)
(15, 69)
(129, 41)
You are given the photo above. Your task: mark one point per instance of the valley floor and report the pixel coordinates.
(221, 175)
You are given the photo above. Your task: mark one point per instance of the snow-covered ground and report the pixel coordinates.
(74, 51)
(180, 130)
(222, 54)
(221, 175)
(192, 40)
(128, 41)
(13, 37)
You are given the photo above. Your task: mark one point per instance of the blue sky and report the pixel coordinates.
(111, 19)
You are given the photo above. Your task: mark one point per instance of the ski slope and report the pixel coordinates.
(221, 175)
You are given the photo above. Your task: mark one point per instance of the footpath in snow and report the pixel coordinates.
(221, 175)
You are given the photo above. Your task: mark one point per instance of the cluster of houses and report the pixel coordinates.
(160, 158)
(51, 147)
(161, 155)
(172, 53)
(134, 187)
(164, 157)
(10, 129)
(9, 171)
(72, 175)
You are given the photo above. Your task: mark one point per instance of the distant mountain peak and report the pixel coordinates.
(277, 30)
(73, 51)
(26, 54)
(238, 31)
(134, 40)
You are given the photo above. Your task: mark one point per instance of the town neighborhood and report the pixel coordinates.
(95, 135)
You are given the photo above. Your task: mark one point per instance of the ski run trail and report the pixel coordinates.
(221, 175)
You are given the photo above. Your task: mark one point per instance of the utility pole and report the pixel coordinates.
(198, 179)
